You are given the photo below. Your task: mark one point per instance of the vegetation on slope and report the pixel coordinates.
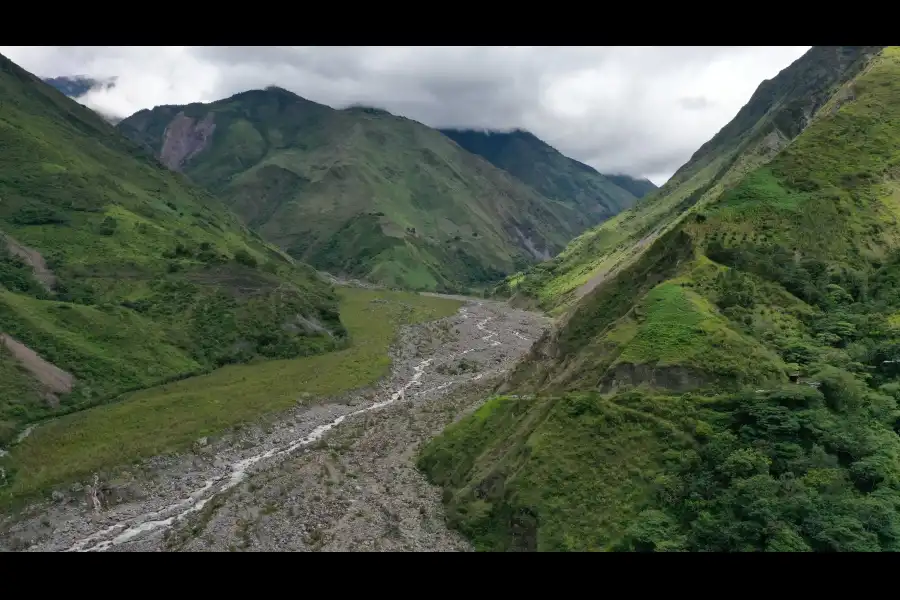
(172, 416)
(637, 187)
(124, 274)
(783, 436)
(555, 176)
(359, 191)
(776, 113)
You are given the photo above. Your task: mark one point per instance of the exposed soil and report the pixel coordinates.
(33, 259)
(49, 375)
(185, 137)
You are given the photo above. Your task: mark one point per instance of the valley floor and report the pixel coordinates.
(338, 476)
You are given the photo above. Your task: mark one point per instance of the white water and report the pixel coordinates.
(129, 529)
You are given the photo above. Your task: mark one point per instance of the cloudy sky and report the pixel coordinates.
(636, 110)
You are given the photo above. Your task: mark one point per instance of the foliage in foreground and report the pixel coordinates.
(789, 469)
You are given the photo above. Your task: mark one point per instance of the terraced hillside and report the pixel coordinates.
(733, 388)
(555, 176)
(116, 274)
(360, 192)
(776, 113)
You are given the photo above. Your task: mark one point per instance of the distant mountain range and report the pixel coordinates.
(76, 86)
(554, 175)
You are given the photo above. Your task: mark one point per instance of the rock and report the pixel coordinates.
(57, 496)
(121, 491)
(202, 442)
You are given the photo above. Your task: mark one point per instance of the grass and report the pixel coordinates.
(368, 194)
(680, 327)
(170, 417)
(21, 392)
(552, 473)
(673, 329)
(155, 278)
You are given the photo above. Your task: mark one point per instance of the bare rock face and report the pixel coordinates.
(184, 138)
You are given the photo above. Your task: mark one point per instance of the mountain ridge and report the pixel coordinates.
(550, 172)
(360, 191)
(780, 110)
(729, 388)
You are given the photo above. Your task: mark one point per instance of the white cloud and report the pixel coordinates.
(638, 110)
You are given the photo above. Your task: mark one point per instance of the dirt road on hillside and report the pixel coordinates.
(336, 476)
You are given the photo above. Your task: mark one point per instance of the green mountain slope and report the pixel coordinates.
(637, 187)
(555, 176)
(359, 191)
(776, 113)
(116, 274)
(733, 388)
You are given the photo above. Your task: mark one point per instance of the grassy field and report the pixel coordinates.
(172, 416)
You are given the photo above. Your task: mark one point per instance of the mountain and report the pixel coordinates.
(78, 85)
(359, 191)
(733, 386)
(555, 176)
(117, 274)
(637, 187)
(776, 113)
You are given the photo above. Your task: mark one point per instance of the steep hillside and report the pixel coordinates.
(116, 274)
(734, 388)
(637, 187)
(555, 176)
(776, 113)
(359, 191)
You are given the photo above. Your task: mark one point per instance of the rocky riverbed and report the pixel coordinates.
(336, 476)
